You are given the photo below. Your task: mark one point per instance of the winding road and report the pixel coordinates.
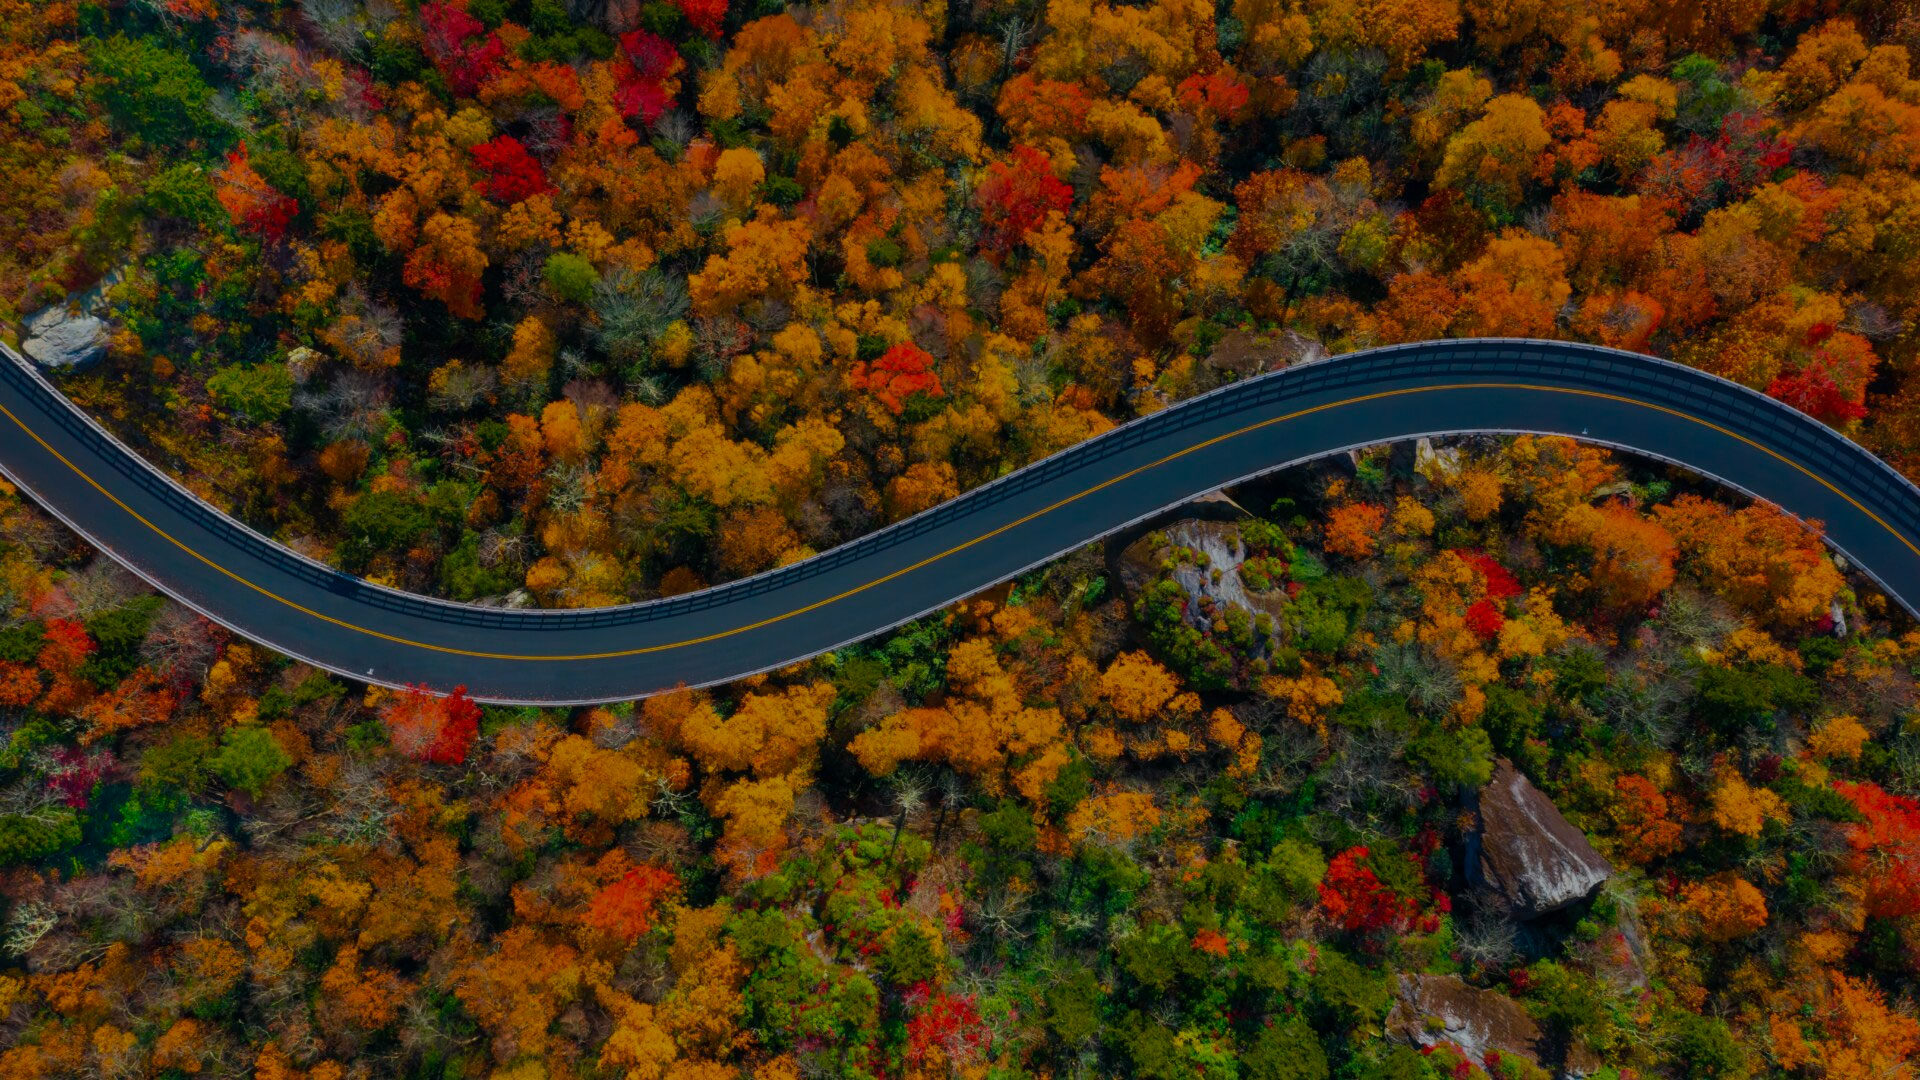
(300, 607)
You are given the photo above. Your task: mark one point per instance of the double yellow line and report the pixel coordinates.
(957, 548)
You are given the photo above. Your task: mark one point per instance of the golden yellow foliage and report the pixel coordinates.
(755, 813)
(767, 734)
(1137, 687)
(1759, 557)
(1725, 908)
(1113, 817)
(985, 729)
(1307, 696)
(1838, 737)
(1741, 808)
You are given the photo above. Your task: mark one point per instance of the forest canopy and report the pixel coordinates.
(583, 301)
(576, 302)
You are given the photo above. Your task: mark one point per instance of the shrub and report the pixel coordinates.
(260, 393)
(249, 758)
(571, 277)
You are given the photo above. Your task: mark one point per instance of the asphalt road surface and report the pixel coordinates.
(302, 608)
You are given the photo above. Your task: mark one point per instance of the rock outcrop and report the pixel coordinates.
(1620, 955)
(1525, 857)
(59, 337)
(72, 333)
(1431, 1010)
(1212, 582)
(1244, 352)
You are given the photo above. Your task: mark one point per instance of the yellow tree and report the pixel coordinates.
(1632, 556)
(985, 729)
(765, 257)
(767, 734)
(1760, 557)
(1492, 158)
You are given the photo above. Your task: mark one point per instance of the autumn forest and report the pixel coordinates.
(1486, 758)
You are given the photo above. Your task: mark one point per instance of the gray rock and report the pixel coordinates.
(1244, 353)
(1435, 462)
(1431, 1010)
(59, 337)
(1219, 543)
(73, 333)
(1526, 857)
(518, 598)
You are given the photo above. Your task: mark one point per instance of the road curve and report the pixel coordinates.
(305, 609)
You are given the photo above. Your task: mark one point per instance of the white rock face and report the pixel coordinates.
(73, 333)
(59, 337)
(1529, 858)
(1435, 463)
(1225, 552)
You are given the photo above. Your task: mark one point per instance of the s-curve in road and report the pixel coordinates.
(265, 592)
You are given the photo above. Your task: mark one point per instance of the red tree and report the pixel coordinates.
(460, 46)
(1353, 896)
(252, 203)
(429, 728)
(1484, 619)
(512, 173)
(1886, 849)
(705, 16)
(1016, 197)
(1499, 581)
(948, 1027)
(647, 61)
(65, 646)
(1218, 92)
(901, 372)
(626, 908)
(1729, 166)
(1813, 391)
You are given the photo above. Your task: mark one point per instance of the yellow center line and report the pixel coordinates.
(957, 548)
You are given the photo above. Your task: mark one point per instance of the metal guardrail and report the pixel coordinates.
(1644, 378)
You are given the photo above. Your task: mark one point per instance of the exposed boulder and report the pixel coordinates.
(518, 598)
(1209, 571)
(1245, 352)
(1525, 857)
(73, 333)
(1431, 1010)
(1435, 462)
(59, 337)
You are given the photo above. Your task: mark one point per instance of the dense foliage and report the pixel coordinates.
(602, 299)
(1189, 811)
(579, 301)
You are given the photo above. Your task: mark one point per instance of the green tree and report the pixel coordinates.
(571, 277)
(381, 522)
(184, 191)
(261, 393)
(1073, 1007)
(1349, 996)
(24, 837)
(1285, 1050)
(179, 765)
(249, 758)
(153, 91)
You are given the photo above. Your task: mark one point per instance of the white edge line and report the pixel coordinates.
(363, 677)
